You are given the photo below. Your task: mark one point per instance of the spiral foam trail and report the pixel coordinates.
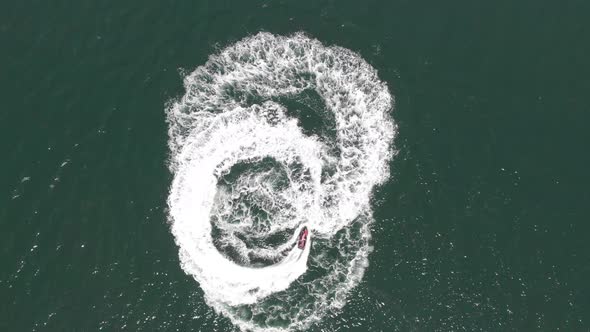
(247, 178)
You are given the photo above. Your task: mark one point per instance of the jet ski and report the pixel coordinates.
(302, 240)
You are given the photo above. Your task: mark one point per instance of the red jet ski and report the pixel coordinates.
(302, 238)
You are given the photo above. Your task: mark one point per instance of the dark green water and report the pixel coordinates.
(483, 226)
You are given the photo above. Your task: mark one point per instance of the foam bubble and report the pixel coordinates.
(247, 179)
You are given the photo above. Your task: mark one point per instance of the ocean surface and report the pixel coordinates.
(477, 221)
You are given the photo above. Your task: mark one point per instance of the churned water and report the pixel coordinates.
(160, 159)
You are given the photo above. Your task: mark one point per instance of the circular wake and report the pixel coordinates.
(249, 174)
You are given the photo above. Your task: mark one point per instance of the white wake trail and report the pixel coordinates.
(246, 176)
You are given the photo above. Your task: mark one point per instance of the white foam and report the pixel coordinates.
(216, 125)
